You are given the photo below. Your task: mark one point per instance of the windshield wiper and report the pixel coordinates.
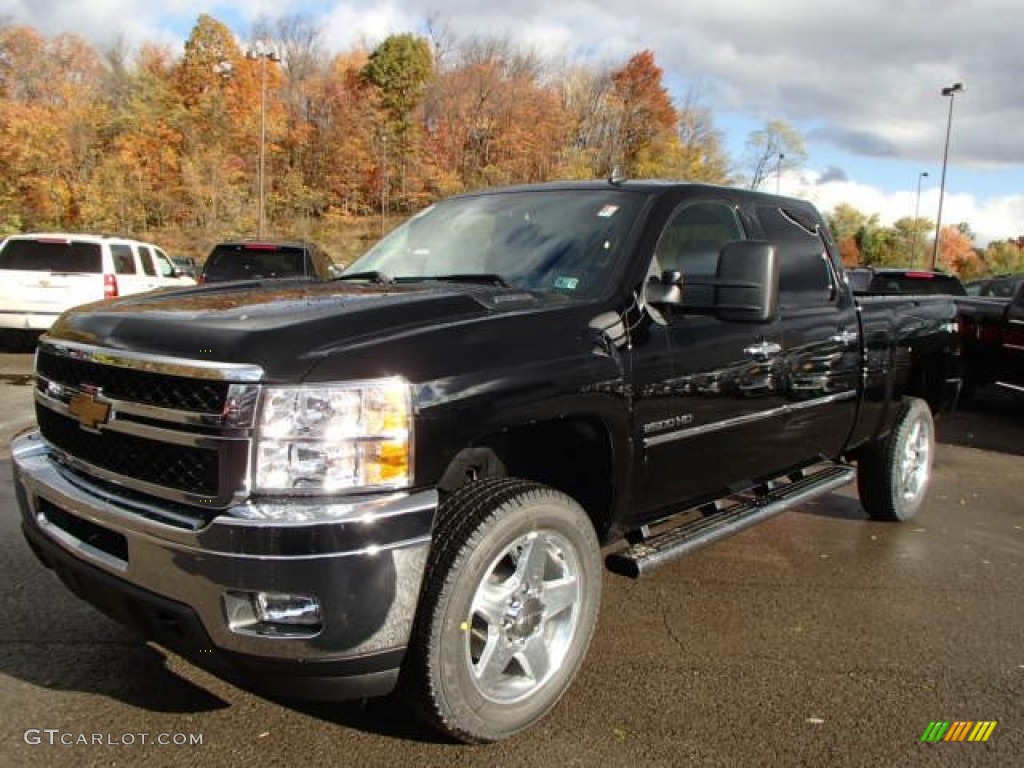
(481, 278)
(373, 275)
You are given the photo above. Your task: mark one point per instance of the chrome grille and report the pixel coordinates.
(163, 391)
(174, 429)
(193, 470)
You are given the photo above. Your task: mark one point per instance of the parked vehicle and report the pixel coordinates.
(43, 274)
(263, 260)
(1000, 287)
(899, 282)
(993, 334)
(404, 477)
(186, 265)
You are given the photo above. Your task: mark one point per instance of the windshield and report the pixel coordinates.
(566, 241)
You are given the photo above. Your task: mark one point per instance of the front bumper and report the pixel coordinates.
(169, 581)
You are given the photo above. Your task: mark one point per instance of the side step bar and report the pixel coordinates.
(760, 504)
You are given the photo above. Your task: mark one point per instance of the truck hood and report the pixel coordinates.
(286, 327)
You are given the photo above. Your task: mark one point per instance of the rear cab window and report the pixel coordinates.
(806, 278)
(920, 283)
(241, 262)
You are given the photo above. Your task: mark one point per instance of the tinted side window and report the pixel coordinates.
(806, 277)
(690, 245)
(146, 254)
(123, 258)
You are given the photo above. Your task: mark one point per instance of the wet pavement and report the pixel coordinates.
(818, 638)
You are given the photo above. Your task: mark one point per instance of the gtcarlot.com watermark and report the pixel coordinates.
(57, 737)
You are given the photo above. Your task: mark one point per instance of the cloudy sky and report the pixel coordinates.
(861, 79)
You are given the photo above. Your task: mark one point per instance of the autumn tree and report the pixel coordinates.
(956, 253)
(775, 148)
(1004, 257)
(851, 230)
(643, 117)
(490, 119)
(701, 156)
(49, 127)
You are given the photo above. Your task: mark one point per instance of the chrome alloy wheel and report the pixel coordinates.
(523, 617)
(915, 463)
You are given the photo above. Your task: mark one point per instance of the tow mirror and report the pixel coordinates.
(747, 282)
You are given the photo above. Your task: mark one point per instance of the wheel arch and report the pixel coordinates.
(573, 454)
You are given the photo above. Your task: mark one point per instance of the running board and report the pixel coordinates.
(757, 505)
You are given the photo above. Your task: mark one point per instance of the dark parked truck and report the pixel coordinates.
(993, 335)
(404, 478)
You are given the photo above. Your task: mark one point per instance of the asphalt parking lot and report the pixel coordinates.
(816, 639)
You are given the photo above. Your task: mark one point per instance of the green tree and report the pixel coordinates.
(1005, 257)
(400, 67)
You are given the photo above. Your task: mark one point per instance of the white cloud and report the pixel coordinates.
(990, 218)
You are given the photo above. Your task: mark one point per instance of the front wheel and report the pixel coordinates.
(893, 474)
(509, 604)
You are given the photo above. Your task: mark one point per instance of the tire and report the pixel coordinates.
(509, 603)
(893, 473)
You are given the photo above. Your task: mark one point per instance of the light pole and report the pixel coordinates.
(263, 51)
(951, 91)
(778, 172)
(383, 181)
(917, 217)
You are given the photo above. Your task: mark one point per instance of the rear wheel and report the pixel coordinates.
(893, 473)
(509, 604)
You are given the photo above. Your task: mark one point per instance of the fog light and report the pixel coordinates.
(273, 614)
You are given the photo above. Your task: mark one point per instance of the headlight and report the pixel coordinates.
(334, 437)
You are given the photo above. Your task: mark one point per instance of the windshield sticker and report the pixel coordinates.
(567, 283)
(607, 212)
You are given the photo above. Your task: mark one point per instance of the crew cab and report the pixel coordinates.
(403, 479)
(993, 335)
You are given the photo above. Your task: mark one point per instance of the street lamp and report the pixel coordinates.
(263, 51)
(778, 172)
(383, 181)
(951, 91)
(917, 217)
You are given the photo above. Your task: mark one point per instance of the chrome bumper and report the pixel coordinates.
(365, 566)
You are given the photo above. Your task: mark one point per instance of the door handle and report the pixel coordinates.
(763, 350)
(845, 337)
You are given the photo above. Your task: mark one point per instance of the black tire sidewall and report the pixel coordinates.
(879, 478)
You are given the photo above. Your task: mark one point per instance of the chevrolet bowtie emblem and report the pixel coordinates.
(90, 411)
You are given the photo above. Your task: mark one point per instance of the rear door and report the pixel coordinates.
(820, 356)
(127, 269)
(42, 276)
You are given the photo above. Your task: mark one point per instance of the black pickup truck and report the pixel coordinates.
(404, 478)
(993, 339)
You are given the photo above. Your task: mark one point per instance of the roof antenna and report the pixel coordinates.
(617, 176)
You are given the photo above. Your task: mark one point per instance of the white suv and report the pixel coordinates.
(43, 274)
